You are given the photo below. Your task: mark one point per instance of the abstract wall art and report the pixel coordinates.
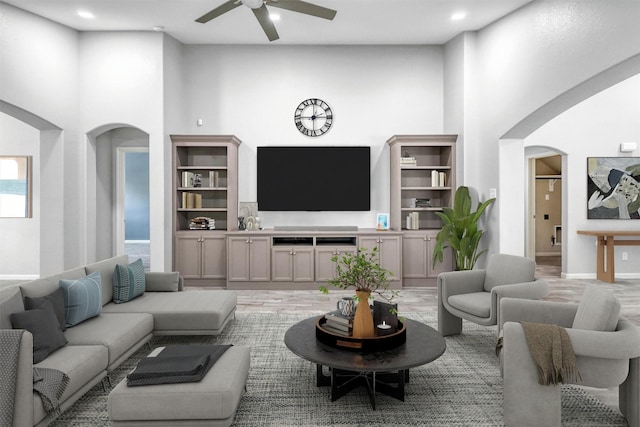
(613, 187)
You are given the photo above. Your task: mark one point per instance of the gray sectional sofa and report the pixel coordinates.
(98, 345)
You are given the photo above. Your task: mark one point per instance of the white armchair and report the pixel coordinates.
(474, 295)
(607, 355)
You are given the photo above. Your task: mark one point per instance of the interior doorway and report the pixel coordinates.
(545, 213)
(133, 208)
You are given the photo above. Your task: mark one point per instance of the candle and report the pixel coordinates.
(384, 325)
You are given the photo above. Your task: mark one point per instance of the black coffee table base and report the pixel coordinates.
(343, 381)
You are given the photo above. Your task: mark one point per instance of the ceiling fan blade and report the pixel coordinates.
(223, 8)
(304, 7)
(267, 24)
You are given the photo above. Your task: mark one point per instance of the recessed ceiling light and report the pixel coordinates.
(274, 16)
(85, 14)
(457, 16)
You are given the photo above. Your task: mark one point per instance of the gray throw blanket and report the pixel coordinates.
(50, 384)
(9, 352)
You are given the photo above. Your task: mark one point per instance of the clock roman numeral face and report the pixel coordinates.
(313, 117)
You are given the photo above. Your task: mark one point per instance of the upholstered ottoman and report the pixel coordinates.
(212, 401)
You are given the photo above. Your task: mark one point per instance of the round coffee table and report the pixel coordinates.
(382, 371)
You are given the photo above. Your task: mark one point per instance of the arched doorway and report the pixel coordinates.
(118, 171)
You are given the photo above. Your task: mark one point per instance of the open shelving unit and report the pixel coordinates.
(432, 153)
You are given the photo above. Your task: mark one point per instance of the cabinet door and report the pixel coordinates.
(389, 252)
(447, 260)
(282, 264)
(303, 264)
(238, 259)
(415, 256)
(325, 268)
(260, 256)
(214, 258)
(188, 256)
(391, 256)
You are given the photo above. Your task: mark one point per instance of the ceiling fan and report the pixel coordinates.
(259, 8)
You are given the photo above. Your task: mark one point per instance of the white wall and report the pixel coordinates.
(39, 70)
(374, 91)
(121, 85)
(524, 62)
(593, 128)
(19, 139)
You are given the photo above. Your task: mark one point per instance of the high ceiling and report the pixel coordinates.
(357, 21)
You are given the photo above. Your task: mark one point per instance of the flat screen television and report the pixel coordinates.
(314, 178)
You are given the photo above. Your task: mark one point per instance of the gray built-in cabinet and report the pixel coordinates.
(422, 181)
(209, 250)
(205, 205)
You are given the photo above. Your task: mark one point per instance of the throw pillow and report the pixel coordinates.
(56, 298)
(598, 310)
(43, 324)
(128, 281)
(82, 298)
(162, 282)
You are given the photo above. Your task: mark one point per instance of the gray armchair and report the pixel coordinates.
(474, 295)
(606, 356)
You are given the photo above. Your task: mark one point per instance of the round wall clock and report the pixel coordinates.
(313, 117)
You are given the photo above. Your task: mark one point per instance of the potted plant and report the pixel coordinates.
(362, 273)
(460, 230)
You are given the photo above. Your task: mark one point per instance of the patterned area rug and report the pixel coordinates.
(461, 388)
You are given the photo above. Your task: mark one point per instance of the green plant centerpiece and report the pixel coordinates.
(362, 273)
(460, 230)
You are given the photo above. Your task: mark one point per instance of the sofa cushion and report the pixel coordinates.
(105, 268)
(194, 311)
(162, 282)
(598, 310)
(475, 303)
(44, 326)
(10, 302)
(82, 298)
(128, 281)
(117, 332)
(56, 298)
(46, 285)
(85, 366)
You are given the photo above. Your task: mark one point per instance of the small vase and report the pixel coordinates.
(363, 320)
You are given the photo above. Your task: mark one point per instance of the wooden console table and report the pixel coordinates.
(605, 254)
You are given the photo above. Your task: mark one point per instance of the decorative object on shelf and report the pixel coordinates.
(249, 210)
(241, 224)
(382, 221)
(313, 117)
(362, 272)
(460, 231)
(613, 187)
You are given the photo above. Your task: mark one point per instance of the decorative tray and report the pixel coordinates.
(364, 345)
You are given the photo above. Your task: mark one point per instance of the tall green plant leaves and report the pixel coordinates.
(460, 231)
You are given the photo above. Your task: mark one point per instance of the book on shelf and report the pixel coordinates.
(338, 317)
(202, 223)
(413, 221)
(435, 179)
(336, 325)
(191, 200)
(188, 179)
(419, 202)
(408, 161)
(214, 179)
(442, 179)
(336, 331)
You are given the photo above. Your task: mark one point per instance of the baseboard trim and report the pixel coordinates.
(592, 276)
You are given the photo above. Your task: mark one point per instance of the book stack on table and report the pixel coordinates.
(337, 323)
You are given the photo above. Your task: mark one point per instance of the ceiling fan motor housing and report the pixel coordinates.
(253, 4)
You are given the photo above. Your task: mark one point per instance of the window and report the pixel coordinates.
(15, 186)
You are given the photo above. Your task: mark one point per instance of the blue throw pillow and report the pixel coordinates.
(128, 281)
(82, 298)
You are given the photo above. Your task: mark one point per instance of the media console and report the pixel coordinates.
(296, 258)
